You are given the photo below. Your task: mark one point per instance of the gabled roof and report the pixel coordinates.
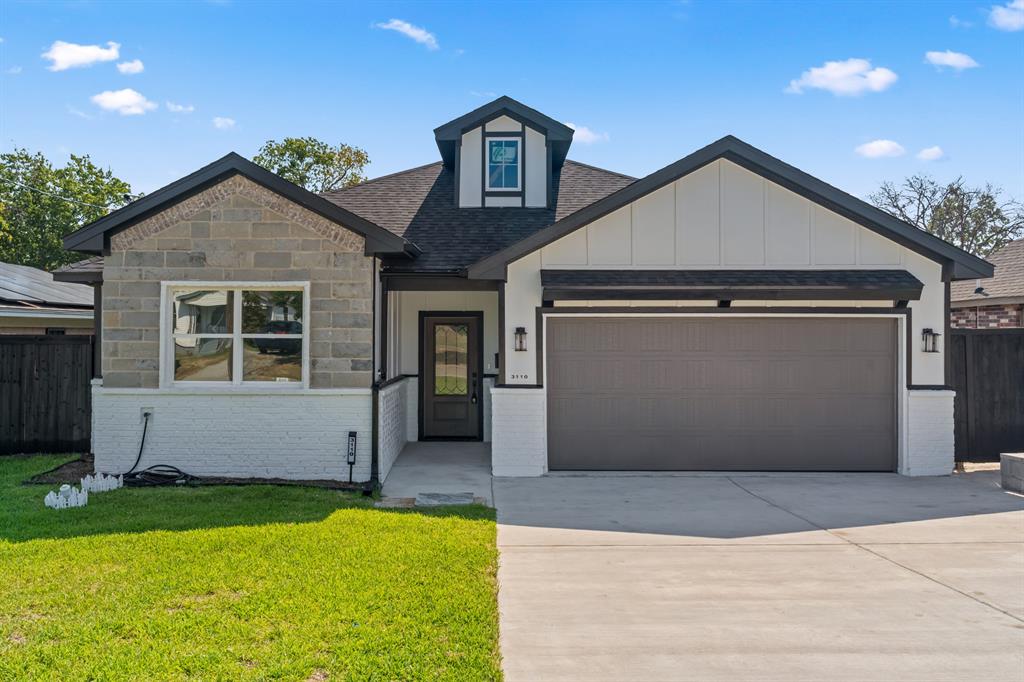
(1008, 282)
(20, 284)
(95, 237)
(964, 265)
(419, 205)
(558, 134)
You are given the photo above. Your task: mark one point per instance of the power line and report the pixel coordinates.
(57, 196)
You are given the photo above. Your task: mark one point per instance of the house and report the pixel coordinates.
(997, 303)
(32, 302)
(726, 312)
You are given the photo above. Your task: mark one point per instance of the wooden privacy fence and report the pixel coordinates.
(988, 377)
(45, 393)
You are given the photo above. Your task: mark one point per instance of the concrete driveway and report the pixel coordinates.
(760, 577)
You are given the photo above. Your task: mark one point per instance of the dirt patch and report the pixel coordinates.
(69, 472)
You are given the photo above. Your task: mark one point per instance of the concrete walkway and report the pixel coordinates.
(441, 467)
(761, 577)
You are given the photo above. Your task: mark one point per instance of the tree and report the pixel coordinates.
(40, 205)
(976, 219)
(314, 164)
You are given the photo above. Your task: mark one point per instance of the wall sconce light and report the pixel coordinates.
(520, 338)
(930, 340)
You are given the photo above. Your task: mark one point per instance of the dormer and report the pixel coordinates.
(503, 155)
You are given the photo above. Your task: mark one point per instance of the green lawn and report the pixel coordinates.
(251, 582)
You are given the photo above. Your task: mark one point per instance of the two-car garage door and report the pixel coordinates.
(721, 393)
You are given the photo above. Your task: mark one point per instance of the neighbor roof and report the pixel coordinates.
(1008, 282)
(31, 287)
(86, 271)
(419, 206)
(964, 265)
(95, 237)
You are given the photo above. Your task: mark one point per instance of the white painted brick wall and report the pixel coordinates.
(519, 439)
(300, 435)
(412, 407)
(488, 385)
(394, 424)
(929, 450)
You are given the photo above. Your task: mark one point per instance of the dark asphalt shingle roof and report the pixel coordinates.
(20, 284)
(1008, 281)
(419, 205)
(858, 281)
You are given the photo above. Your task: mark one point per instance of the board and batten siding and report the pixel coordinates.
(723, 216)
(472, 167)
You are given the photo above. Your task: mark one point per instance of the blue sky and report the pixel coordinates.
(650, 82)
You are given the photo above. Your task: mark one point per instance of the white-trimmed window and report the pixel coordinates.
(235, 334)
(503, 163)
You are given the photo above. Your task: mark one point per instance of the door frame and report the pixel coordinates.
(478, 315)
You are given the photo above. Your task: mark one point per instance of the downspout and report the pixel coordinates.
(374, 483)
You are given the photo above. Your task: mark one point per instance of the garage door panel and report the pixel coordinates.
(721, 393)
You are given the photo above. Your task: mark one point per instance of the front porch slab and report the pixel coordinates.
(448, 468)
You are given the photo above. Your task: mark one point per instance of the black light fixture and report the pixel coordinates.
(930, 340)
(520, 338)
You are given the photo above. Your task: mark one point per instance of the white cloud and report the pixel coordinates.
(954, 60)
(585, 135)
(223, 123)
(14, 70)
(957, 22)
(1008, 17)
(931, 153)
(79, 113)
(64, 55)
(132, 67)
(126, 102)
(486, 94)
(420, 35)
(878, 149)
(846, 78)
(179, 108)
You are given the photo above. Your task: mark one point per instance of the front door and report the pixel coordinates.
(451, 390)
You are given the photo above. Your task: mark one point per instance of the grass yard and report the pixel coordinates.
(251, 582)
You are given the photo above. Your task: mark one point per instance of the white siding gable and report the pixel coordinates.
(534, 170)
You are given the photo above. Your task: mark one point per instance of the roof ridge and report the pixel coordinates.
(603, 170)
(381, 177)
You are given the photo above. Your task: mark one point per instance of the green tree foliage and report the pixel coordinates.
(40, 205)
(976, 219)
(314, 164)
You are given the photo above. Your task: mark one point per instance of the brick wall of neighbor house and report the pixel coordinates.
(988, 317)
(238, 231)
(519, 436)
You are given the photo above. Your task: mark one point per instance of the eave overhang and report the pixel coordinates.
(793, 285)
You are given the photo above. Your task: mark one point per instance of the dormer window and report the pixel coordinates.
(503, 164)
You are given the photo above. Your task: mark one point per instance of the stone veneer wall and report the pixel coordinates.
(237, 231)
(988, 317)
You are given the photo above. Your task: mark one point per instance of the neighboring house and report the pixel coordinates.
(725, 312)
(31, 303)
(996, 303)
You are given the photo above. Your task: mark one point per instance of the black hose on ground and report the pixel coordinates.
(158, 474)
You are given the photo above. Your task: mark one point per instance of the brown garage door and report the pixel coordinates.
(671, 393)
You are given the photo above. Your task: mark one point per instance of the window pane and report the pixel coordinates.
(450, 359)
(272, 360)
(497, 151)
(511, 151)
(271, 312)
(202, 359)
(202, 312)
(511, 176)
(496, 176)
